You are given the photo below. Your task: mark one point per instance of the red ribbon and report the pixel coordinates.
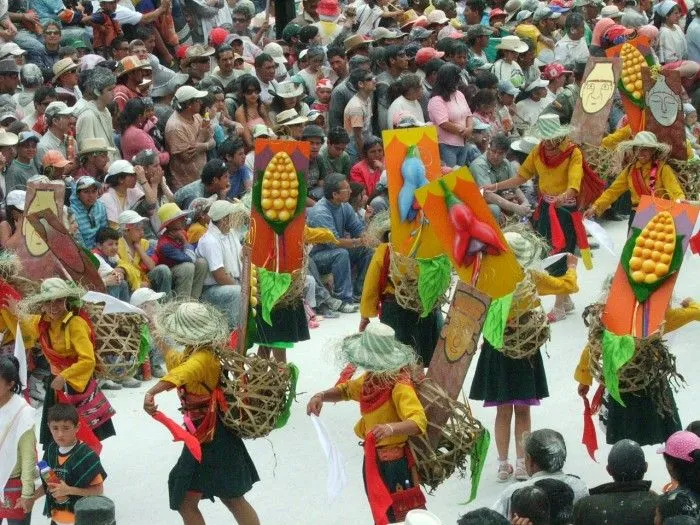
(377, 493)
(346, 374)
(581, 237)
(589, 436)
(180, 434)
(555, 229)
(640, 185)
(85, 433)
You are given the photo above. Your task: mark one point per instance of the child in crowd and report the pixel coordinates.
(199, 221)
(692, 126)
(323, 97)
(74, 462)
(147, 300)
(105, 251)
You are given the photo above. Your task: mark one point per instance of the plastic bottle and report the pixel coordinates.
(50, 477)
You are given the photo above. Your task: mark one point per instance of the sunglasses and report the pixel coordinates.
(53, 32)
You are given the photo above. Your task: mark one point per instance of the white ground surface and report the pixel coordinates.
(292, 466)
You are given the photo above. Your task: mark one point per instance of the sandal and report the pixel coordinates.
(569, 305)
(520, 470)
(505, 471)
(557, 314)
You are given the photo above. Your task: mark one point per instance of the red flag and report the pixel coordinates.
(377, 493)
(589, 436)
(180, 434)
(85, 433)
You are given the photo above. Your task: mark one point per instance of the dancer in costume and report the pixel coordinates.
(67, 340)
(641, 419)
(391, 412)
(646, 174)
(515, 384)
(226, 471)
(9, 297)
(17, 448)
(379, 300)
(559, 164)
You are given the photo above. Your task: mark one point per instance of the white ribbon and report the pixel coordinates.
(600, 235)
(21, 355)
(112, 304)
(337, 478)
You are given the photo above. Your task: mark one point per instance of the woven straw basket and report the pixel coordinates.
(528, 328)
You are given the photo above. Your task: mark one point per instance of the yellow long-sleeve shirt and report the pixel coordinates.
(370, 289)
(8, 324)
(675, 318)
(554, 181)
(319, 236)
(667, 186)
(198, 373)
(70, 337)
(130, 261)
(26, 461)
(403, 406)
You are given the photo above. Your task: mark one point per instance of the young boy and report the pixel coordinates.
(114, 277)
(73, 461)
(200, 219)
(323, 97)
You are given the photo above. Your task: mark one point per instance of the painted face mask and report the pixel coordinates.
(663, 103)
(598, 88)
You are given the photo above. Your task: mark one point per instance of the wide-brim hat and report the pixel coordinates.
(130, 63)
(525, 144)
(290, 117)
(548, 127)
(169, 86)
(168, 213)
(525, 251)
(287, 89)
(356, 41)
(645, 139)
(51, 289)
(377, 350)
(191, 324)
(65, 65)
(95, 145)
(512, 43)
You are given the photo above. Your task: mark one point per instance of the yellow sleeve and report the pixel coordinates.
(575, 174)
(78, 374)
(27, 461)
(678, 317)
(614, 138)
(670, 183)
(370, 289)
(528, 169)
(549, 285)
(583, 370)
(194, 369)
(195, 232)
(408, 406)
(619, 186)
(319, 236)
(351, 390)
(30, 330)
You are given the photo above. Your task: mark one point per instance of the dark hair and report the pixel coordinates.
(392, 51)
(9, 371)
(531, 503)
(213, 169)
(626, 461)
(106, 234)
(445, 44)
(222, 49)
(546, 447)
(42, 92)
(459, 48)
(432, 66)
(500, 142)
(477, 5)
(118, 41)
(229, 147)
(680, 520)
(356, 190)
(448, 79)
(358, 75)
(338, 135)
(132, 111)
(335, 52)
(573, 21)
(307, 33)
(660, 20)
(62, 412)
(370, 142)
(246, 82)
(262, 58)
(482, 516)
(694, 427)
(332, 184)
(561, 500)
(485, 80)
(66, 51)
(677, 503)
(408, 82)
(143, 32)
(17, 127)
(483, 98)
(686, 473)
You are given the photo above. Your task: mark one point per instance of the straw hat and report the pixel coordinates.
(645, 139)
(191, 324)
(525, 144)
(512, 43)
(525, 251)
(548, 127)
(420, 517)
(16, 199)
(10, 265)
(168, 213)
(65, 65)
(356, 41)
(378, 227)
(377, 350)
(51, 289)
(287, 89)
(144, 295)
(131, 63)
(290, 117)
(95, 145)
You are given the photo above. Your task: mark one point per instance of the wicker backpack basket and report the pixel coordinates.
(528, 329)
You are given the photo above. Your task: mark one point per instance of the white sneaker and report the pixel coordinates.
(505, 471)
(334, 303)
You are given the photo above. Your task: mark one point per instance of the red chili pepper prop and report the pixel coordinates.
(468, 230)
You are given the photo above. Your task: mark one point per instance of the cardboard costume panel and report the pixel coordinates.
(643, 283)
(45, 246)
(663, 114)
(590, 118)
(412, 158)
(469, 234)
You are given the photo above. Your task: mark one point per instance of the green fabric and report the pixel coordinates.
(496, 320)
(287, 410)
(144, 344)
(279, 226)
(272, 286)
(477, 461)
(617, 350)
(433, 281)
(642, 291)
(91, 256)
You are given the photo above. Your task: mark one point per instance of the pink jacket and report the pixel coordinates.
(135, 139)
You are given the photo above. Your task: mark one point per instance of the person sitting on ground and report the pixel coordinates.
(370, 168)
(482, 516)
(529, 505)
(127, 184)
(333, 154)
(93, 159)
(214, 181)
(677, 504)
(628, 500)
(316, 173)
(561, 500)
(199, 219)
(240, 178)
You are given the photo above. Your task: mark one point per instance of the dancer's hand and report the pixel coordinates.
(685, 303)
(363, 324)
(571, 260)
(517, 520)
(315, 405)
(589, 213)
(58, 383)
(149, 403)
(583, 389)
(383, 430)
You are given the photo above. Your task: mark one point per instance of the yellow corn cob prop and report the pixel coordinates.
(653, 251)
(253, 300)
(280, 188)
(632, 63)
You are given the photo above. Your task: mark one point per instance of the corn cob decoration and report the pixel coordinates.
(253, 300)
(632, 63)
(653, 251)
(279, 197)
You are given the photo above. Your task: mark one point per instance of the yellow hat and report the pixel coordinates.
(168, 213)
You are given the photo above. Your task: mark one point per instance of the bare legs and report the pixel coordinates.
(189, 510)
(504, 415)
(280, 354)
(242, 511)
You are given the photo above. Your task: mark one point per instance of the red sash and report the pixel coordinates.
(58, 360)
(638, 182)
(376, 393)
(11, 494)
(201, 412)
(592, 186)
(7, 291)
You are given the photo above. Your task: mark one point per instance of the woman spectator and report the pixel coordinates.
(358, 201)
(507, 67)
(369, 13)
(369, 169)
(287, 95)
(682, 455)
(448, 109)
(155, 179)
(14, 213)
(672, 44)
(485, 109)
(126, 186)
(408, 103)
(290, 125)
(599, 30)
(251, 111)
(134, 138)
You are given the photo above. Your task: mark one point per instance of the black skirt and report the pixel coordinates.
(421, 333)
(226, 470)
(639, 420)
(500, 379)
(289, 325)
(544, 228)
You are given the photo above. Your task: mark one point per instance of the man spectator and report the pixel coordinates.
(357, 117)
(312, 73)
(333, 154)
(430, 70)
(343, 92)
(129, 79)
(197, 63)
(58, 117)
(545, 455)
(309, 15)
(95, 120)
(565, 102)
(90, 214)
(265, 73)
(540, 31)
(628, 499)
(22, 167)
(572, 47)
(356, 45)
(335, 213)
(105, 26)
(224, 71)
(221, 248)
(590, 9)
(477, 42)
(43, 96)
(316, 173)
(491, 168)
(397, 64)
(214, 180)
(339, 65)
(9, 76)
(240, 178)
(32, 79)
(474, 13)
(162, 94)
(46, 56)
(188, 136)
(93, 159)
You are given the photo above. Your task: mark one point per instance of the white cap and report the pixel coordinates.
(185, 93)
(10, 48)
(119, 166)
(144, 295)
(129, 217)
(220, 209)
(16, 198)
(276, 52)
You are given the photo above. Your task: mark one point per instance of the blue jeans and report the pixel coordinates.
(340, 262)
(452, 156)
(161, 279)
(120, 291)
(227, 299)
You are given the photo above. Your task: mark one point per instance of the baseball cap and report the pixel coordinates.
(16, 199)
(55, 159)
(217, 36)
(58, 108)
(24, 136)
(420, 33)
(480, 125)
(130, 217)
(10, 48)
(537, 83)
(185, 93)
(426, 54)
(7, 138)
(324, 83)
(554, 70)
(507, 87)
(542, 13)
(220, 209)
(86, 182)
(313, 131)
(523, 15)
(680, 445)
(276, 52)
(497, 12)
(119, 166)
(144, 295)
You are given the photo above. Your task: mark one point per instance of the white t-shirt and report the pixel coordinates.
(513, 72)
(672, 44)
(567, 51)
(528, 110)
(401, 105)
(221, 251)
(114, 205)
